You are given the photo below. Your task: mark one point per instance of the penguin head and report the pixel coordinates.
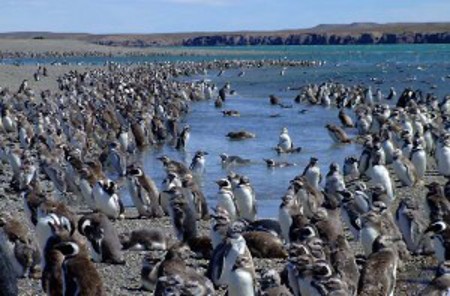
(134, 171)
(437, 227)
(322, 269)
(270, 278)
(68, 249)
(383, 242)
(269, 162)
(224, 183)
(223, 156)
(313, 160)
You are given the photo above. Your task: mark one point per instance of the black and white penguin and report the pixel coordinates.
(195, 197)
(245, 198)
(242, 277)
(379, 174)
(404, 169)
(419, 158)
(79, 273)
(107, 199)
(350, 168)
(116, 159)
(226, 199)
(143, 192)
(272, 163)
(441, 235)
(198, 163)
(312, 173)
(183, 138)
(288, 208)
(103, 239)
(271, 284)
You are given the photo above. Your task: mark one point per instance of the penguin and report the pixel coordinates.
(149, 271)
(351, 212)
(441, 240)
(143, 192)
(371, 228)
(144, 239)
(245, 198)
(364, 162)
(24, 255)
(271, 163)
(79, 273)
(271, 284)
(231, 113)
(379, 274)
(8, 279)
(240, 135)
(409, 221)
(263, 244)
(338, 135)
(103, 239)
(419, 158)
(285, 142)
(343, 261)
(241, 279)
(198, 163)
(440, 285)
(443, 157)
(388, 145)
(308, 197)
(312, 173)
(404, 169)
(346, 120)
(195, 197)
(379, 174)
(174, 264)
(107, 200)
(183, 138)
(173, 166)
(184, 219)
(228, 160)
(220, 223)
(350, 168)
(226, 199)
(334, 180)
(392, 94)
(116, 159)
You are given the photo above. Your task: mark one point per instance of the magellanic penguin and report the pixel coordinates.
(8, 284)
(285, 142)
(144, 239)
(107, 199)
(440, 285)
(334, 180)
(184, 219)
(379, 174)
(288, 209)
(343, 261)
(419, 158)
(271, 163)
(345, 119)
(312, 173)
(241, 280)
(171, 181)
(198, 163)
(245, 198)
(371, 227)
(350, 169)
(441, 236)
(442, 155)
(195, 197)
(24, 255)
(437, 204)
(174, 264)
(102, 237)
(226, 199)
(378, 277)
(271, 284)
(143, 192)
(404, 169)
(183, 138)
(116, 159)
(410, 223)
(79, 273)
(338, 134)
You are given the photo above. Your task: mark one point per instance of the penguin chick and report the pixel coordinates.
(144, 239)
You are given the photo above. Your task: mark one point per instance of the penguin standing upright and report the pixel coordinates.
(107, 200)
(312, 173)
(183, 138)
(226, 199)
(245, 199)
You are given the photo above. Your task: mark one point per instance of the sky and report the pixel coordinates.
(167, 16)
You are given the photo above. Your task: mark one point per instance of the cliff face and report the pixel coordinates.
(318, 39)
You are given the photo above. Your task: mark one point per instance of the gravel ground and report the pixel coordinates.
(125, 280)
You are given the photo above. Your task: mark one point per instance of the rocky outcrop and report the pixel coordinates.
(318, 39)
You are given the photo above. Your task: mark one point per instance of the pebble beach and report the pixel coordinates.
(413, 275)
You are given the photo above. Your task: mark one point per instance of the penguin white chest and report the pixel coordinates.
(402, 173)
(225, 199)
(285, 220)
(419, 159)
(240, 283)
(244, 200)
(368, 236)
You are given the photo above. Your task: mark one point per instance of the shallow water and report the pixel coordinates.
(307, 130)
(425, 67)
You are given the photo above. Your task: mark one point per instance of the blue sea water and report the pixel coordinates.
(425, 67)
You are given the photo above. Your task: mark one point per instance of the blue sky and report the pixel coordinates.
(160, 16)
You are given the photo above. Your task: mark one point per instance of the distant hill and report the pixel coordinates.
(355, 33)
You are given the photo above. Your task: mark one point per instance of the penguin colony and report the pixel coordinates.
(79, 146)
